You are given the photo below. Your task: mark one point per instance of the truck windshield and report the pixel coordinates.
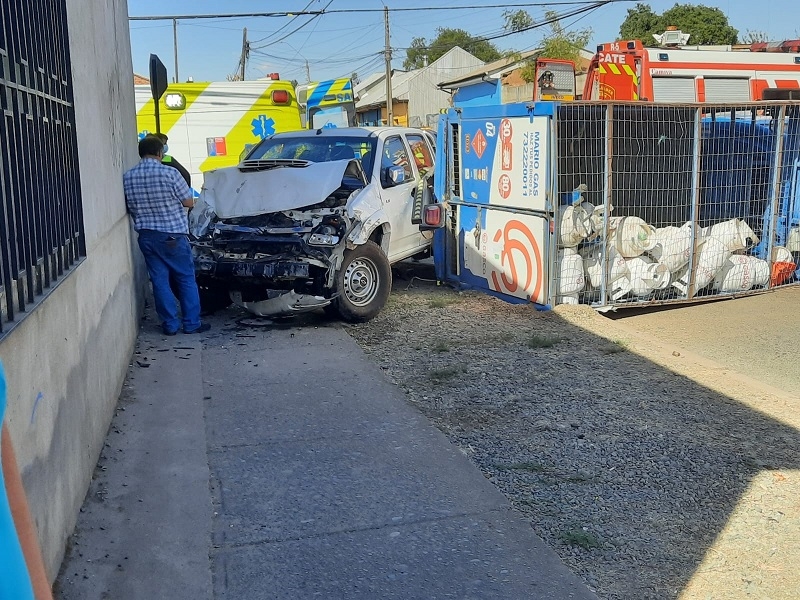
(318, 149)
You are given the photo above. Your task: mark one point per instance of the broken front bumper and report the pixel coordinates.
(287, 303)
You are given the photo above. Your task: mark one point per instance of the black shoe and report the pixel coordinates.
(168, 332)
(203, 328)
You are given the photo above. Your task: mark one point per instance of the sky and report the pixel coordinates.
(336, 45)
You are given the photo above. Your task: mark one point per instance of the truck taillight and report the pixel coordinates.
(433, 216)
(280, 97)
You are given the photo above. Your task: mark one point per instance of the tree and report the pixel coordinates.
(557, 43)
(754, 37)
(705, 24)
(640, 24)
(517, 20)
(421, 53)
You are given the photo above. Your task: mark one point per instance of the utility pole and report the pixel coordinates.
(388, 56)
(245, 52)
(308, 73)
(175, 42)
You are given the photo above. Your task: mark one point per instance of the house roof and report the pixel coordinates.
(377, 93)
(140, 79)
(498, 67)
(370, 93)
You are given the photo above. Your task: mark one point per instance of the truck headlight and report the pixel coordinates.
(322, 239)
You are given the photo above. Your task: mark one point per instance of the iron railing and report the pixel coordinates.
(41, 216)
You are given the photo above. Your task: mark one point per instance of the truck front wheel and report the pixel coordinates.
(363, 283)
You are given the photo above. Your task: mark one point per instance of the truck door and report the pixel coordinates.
(398, 196)
(499, 194)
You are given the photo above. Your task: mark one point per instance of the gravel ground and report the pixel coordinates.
(631, 471)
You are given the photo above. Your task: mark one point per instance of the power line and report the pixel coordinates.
(292, 20)
(553, 19)
(321, 12)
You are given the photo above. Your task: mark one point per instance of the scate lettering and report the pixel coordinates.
(618, 59)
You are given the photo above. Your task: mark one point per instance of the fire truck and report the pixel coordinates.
(555, 79)
(675, 72)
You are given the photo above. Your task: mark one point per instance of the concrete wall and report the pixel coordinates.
(66, 361)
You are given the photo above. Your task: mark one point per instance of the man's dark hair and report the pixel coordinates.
(150, 145)
(162, 136)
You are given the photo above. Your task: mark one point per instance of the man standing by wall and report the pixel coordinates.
(156, 196)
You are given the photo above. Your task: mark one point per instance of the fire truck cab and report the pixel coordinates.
(555, 80)
(674, 72)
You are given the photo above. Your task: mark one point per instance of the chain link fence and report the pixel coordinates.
(675, 203)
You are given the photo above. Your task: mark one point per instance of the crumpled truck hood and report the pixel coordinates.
(231, 193)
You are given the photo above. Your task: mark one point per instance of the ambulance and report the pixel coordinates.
(327, 104)
(213, 125)
(674, 72)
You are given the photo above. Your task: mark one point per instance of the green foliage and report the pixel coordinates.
(753, 37)
(640, 24)
(705, 24)
(582, 539)
(540, 341)
(447, 38)
(556, 43)
(445, 374)
(441, 346)
(517, 20)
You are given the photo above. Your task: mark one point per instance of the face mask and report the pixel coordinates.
(166, 148)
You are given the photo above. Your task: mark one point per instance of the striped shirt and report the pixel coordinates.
(154, 194)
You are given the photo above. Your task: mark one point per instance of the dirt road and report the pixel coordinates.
(656, 453)
(757, 336)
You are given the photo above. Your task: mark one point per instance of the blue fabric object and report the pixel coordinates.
(15, 582)
(154, 194)
(169, 256)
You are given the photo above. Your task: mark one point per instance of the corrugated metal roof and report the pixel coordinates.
(372, 91)
(508, 63)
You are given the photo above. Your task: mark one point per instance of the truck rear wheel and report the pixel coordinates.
(363, 283)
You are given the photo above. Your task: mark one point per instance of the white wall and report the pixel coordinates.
(72, 351)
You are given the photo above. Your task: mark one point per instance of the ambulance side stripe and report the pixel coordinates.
(145, 116)
(320, 91)
(284, 118)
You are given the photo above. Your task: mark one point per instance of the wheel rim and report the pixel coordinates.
(361, 281)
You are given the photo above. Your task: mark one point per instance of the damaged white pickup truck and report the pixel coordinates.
(314, 219)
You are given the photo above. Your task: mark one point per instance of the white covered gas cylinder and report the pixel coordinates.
(576, 224)
(735, 234)
(571, 277)
(646, 275)
(631, 236)
(741, 273)
(713, 254)
(672, 246)
(593, 262)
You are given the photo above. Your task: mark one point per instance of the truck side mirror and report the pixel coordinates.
(394, 176)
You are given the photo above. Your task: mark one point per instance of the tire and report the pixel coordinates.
(213, 298)
(363, 283)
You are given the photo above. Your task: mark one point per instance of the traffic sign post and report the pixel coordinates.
(158, 85)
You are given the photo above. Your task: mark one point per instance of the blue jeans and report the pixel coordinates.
(169, 256)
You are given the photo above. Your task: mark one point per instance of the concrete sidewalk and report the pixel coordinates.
(278, 462)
